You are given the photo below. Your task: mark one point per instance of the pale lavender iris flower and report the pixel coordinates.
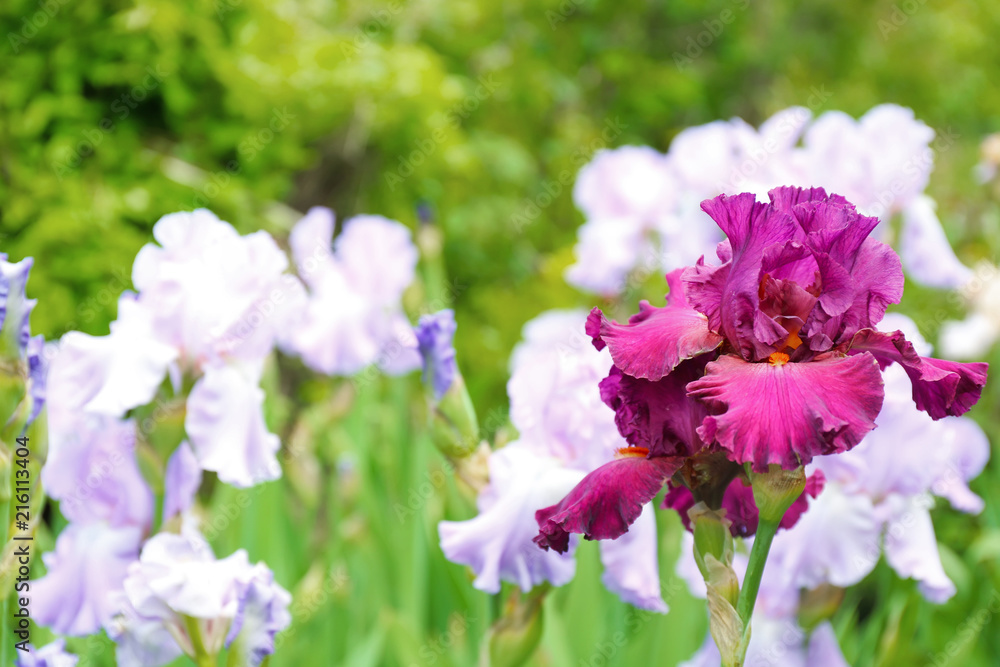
(353, 317)
(565, 432)
(641, 206)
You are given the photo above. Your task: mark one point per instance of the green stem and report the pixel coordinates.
(755, 569)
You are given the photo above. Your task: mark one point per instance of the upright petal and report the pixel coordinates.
(606, 502)
(225, 424)
(655, 340)
(631, 566)
(788, 413)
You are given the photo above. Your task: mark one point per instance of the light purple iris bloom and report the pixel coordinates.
(642, 207)
(50, 655)
(210, 306)
(233, 603)
(435, 340)
(770, 357)
(92, 471)
(353, 317)
(565, 432)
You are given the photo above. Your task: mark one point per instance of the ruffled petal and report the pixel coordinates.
(225, 424)
(606, 502)
(378, 258)
(139, 642)
(787, 414)
(497, 544)
(89, 564)
(631, 566)
(655, 340)
(750, 227)
(659, 416)
(115, 373)
(940, 388)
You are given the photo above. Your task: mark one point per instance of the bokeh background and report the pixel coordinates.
(460, 113)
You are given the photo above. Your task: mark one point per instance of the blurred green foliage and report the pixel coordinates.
(114, 112)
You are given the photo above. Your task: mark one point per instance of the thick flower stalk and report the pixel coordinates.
(757, 365)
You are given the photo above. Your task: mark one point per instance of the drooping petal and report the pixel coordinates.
(940, 388)
(824, 649)
(115, 373)
(182, 480)
(606, 502)
(631, 566)
(655, 340)
(225, 425)
(835, 542)
(92, 471)
(659, 416)
(788, 413)
(89, 563)
(911, 546)
(925, 250)
(497, 544)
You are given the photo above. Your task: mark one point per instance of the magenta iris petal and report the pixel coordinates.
(751, 228)
(787, 414)
(940, 388)
(658, 416)
(655, 339)
(606, 502)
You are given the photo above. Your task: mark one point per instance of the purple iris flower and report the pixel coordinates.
(435, 335)
(50, 655)
(770, 357)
